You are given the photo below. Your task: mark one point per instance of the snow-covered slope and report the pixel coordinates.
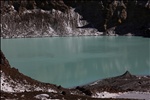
(9, 85)
(13, 81)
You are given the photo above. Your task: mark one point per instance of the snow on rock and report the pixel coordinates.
(50, 90)
(38, 89)
(105, 95)
(94, 83)
(4, 85)
(9, 85)
(42, 96)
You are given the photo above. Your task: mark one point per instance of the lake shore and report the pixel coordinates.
(15, 85)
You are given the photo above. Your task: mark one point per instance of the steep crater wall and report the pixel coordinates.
(34, 18)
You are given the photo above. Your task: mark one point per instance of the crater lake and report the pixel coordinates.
(73, 61)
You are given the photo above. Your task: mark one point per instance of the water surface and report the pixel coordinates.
(72, 61)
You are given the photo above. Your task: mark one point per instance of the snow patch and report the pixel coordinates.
(9, 85)
(105, 95)
(38, 89)
(125, 95)
(5, 86)
(50, 90)
(42, 96)
(94, 83)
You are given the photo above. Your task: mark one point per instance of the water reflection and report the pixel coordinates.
(72, 61)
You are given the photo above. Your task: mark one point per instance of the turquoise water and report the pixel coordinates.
(72, 61)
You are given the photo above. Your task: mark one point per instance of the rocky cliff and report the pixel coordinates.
(38, 18)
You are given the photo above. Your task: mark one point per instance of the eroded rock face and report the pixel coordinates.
(24, 18)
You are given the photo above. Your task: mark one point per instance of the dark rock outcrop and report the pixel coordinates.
(127, 74)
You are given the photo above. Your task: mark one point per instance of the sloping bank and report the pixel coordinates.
(15, 85)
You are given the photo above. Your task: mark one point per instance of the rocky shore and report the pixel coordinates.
(15, 85)
(46, 18)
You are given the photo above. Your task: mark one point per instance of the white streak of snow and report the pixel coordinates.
(94, 83)
(105, 95)
(50, 90)
(42, 96)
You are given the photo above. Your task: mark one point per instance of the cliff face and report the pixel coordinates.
(33, 18)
